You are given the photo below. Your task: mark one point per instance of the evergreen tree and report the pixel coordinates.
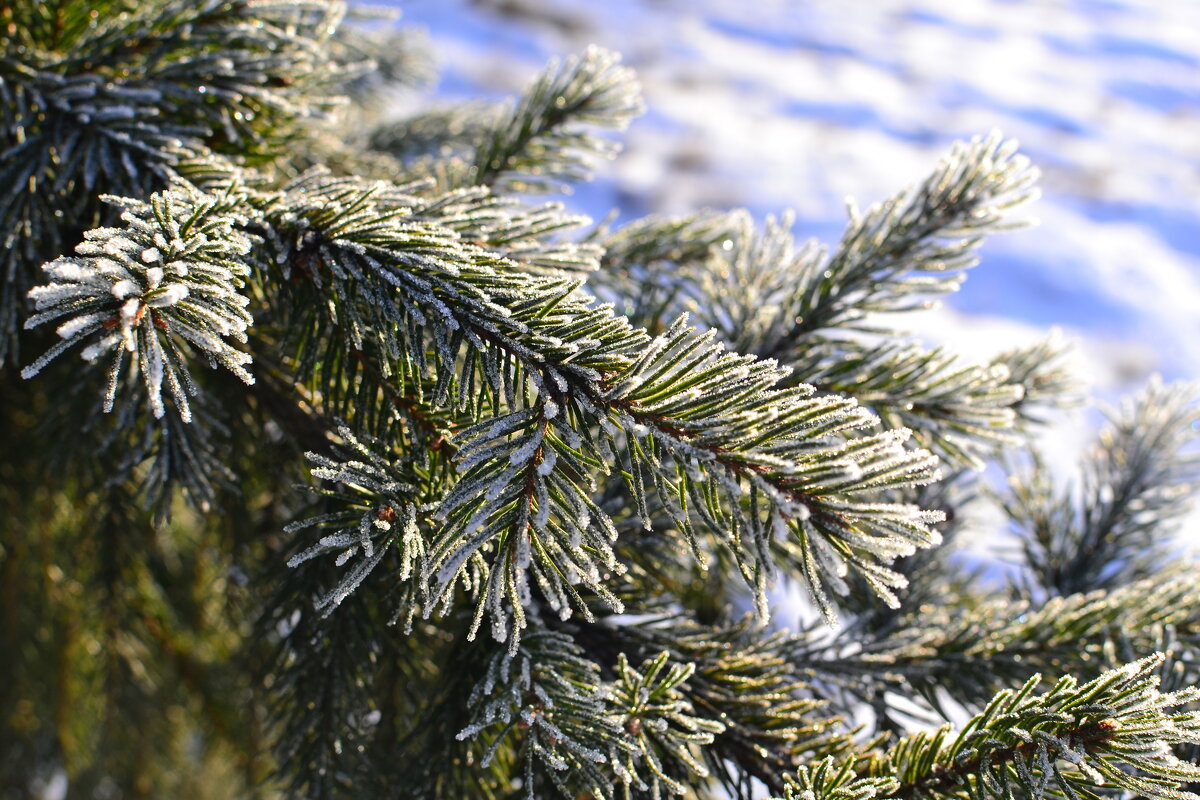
(555, 474)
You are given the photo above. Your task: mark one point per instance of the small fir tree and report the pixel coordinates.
(556, 472)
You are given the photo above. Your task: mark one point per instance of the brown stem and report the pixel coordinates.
(738, 467)
(942, 778)
(412, 410)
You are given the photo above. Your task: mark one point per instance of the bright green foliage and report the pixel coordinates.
(1113, 732)
(665, 729)
(550, 465)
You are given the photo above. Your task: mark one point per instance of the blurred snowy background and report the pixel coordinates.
(778, 104)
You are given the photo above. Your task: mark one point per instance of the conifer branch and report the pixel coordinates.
(916, 244)
(165, 283)
(677, 241)
(101, 104)
(766, 295)
(1139, 481)
(579, 734)
(542, 143)
(962, 412)
(1078, 634)
(667, 734)
(172, 453)
(532, 238)
(331, 662)
(1114, 731)
(597, 474)
(680, 409)
(437, 133)
(381, 56)
(747, 679)
(548, 696)
(1044, 373)
(377, 513)
(836, 779)
(646, 264)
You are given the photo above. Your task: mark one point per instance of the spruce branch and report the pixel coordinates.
(647, 264)
(543, 144)
(531, 237)
(673, 241)
(755, 287)
(549, 697)
(962, 412)
(255, 68)
(94, 104)
(706, 429)
(768, 296)
(440, 132)
(362, 236)
(596, 486)
(668, 735)
(172, 453)
(636, 735)
(836, 779)
(771, 297)
(746, 678)
(167, 282)
(330, 662)
(929, 653)
(1115, 731)
(1140, 479)
(376, 513)
(1045, 375)
(809, 487)
(914, 245)
(382, 56)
